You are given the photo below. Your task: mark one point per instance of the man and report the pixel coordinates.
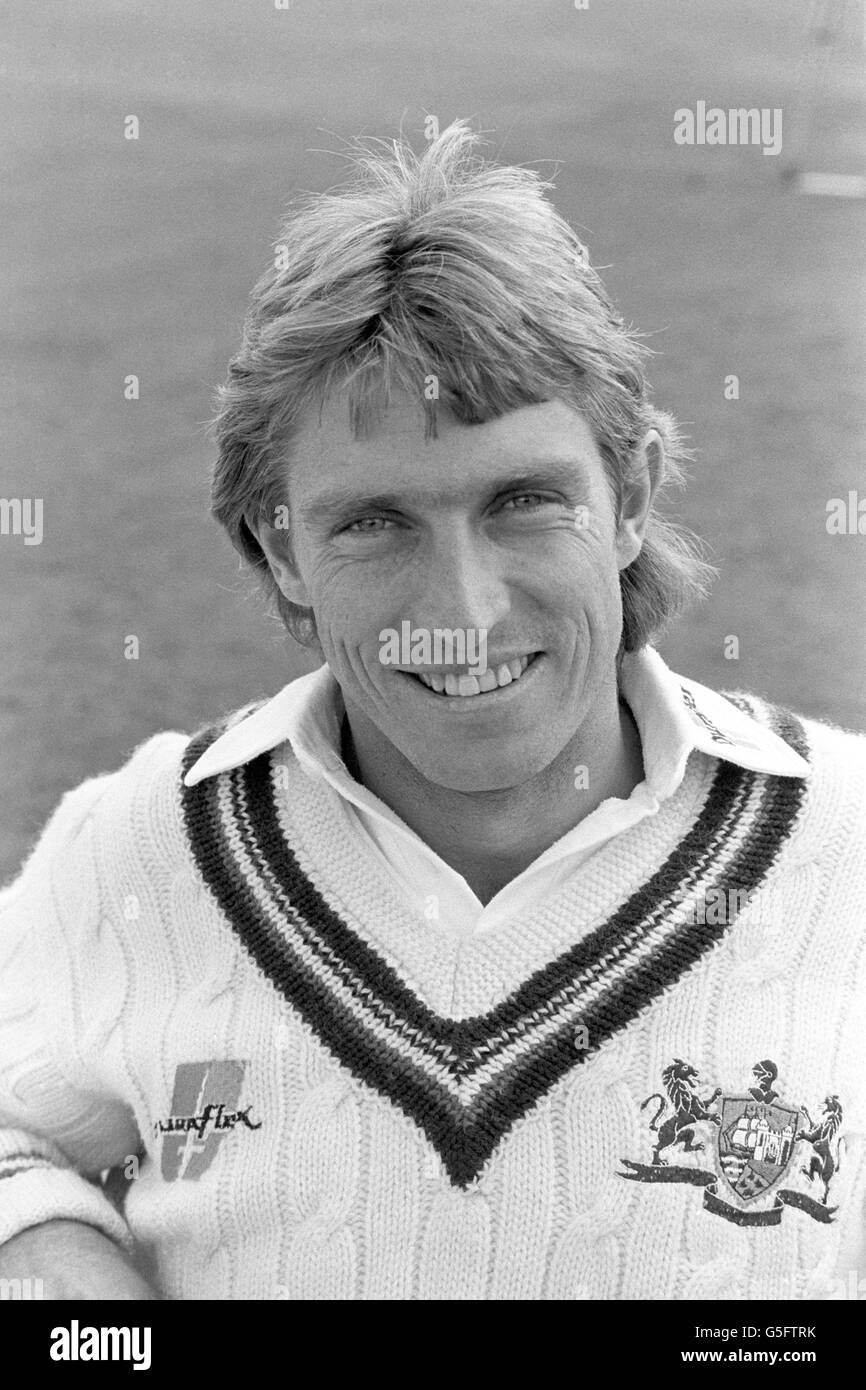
(456, 969)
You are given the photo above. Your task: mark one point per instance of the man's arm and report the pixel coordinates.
(59, 1127)
(73, 1261)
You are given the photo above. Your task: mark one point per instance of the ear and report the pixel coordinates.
(275, 541)
(637, 497)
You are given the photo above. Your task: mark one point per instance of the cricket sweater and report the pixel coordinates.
(651, 1086)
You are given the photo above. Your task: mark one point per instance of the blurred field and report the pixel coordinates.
(119, 257)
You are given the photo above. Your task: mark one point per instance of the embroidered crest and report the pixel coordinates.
(755, 1140)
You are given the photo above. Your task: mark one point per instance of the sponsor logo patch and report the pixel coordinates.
(204, 1111)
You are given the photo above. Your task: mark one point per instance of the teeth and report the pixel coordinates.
(465, 686)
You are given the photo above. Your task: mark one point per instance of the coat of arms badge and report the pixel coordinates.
(757, 1139)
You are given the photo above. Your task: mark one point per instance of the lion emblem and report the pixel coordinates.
(680, 1081)
(823, 1163)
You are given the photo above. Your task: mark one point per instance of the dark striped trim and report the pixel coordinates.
(465, 1083)
(26, 1167)
(782, 722)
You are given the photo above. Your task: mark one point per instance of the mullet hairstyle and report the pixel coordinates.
(441, 267)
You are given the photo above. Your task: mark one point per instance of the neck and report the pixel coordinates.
(491, 836)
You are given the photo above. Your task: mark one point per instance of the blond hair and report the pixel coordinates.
(439, 266)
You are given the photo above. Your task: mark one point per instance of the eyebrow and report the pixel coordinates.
(331, 506)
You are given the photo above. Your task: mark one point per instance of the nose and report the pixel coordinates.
(463, 583)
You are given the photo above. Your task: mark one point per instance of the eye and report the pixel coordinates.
(528, 503)
(366, 526)
(534, 498)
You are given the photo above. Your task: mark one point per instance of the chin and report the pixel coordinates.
(481, 772)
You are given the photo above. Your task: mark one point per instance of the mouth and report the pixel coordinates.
(493, 682)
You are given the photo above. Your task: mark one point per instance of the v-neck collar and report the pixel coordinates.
(465, 1081)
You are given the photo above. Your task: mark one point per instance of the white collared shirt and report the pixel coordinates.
(674, 717)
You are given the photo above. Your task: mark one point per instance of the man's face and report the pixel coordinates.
(505, 529)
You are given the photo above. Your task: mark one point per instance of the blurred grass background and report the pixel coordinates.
(126, 257)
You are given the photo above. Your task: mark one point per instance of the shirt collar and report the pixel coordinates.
(674, 717)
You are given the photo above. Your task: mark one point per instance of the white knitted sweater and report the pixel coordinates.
(330, 1097)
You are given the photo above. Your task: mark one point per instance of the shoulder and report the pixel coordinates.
(831, 743)
(133, 811)
(832, 800)
(65, 844)
(146, 795)
(818, 741)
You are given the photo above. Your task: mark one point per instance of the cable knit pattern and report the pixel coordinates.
(318, 1093)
